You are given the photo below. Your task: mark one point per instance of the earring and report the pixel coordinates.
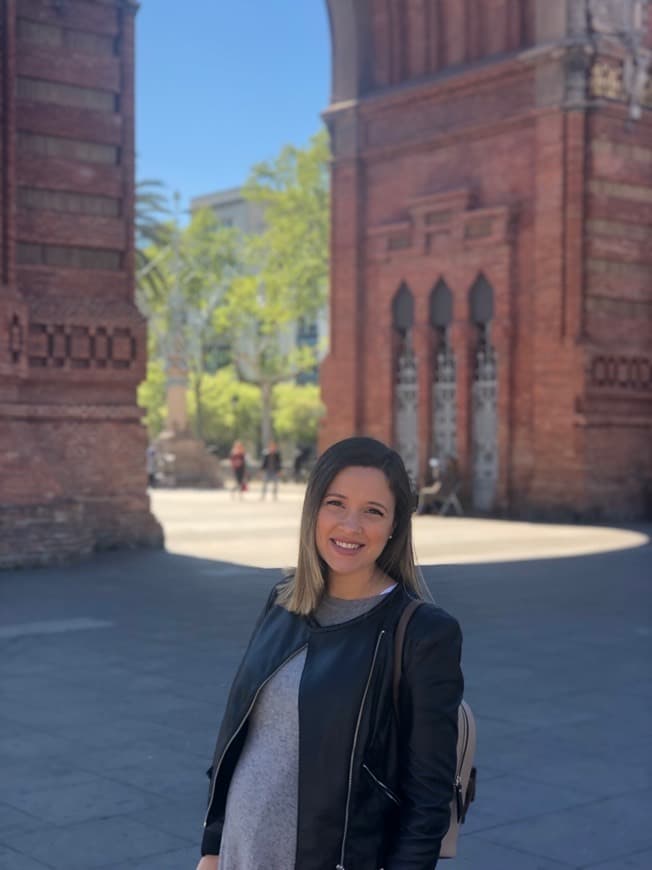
(390, 537)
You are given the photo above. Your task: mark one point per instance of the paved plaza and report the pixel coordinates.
(113, 676)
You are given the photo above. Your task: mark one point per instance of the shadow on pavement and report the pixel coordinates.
(113, 674)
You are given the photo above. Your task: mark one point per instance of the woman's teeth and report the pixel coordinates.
(346, 546)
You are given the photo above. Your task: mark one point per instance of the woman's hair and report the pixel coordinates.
(303, 590)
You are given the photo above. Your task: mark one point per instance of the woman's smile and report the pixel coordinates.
(346, 548)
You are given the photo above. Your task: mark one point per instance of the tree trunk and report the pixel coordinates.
(199, 423)
(266, 423)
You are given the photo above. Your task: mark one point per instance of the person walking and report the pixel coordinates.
(151, 460)
(238, 458)
(271, 466)
(313, 768)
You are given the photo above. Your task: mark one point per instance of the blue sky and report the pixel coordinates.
(223, 84)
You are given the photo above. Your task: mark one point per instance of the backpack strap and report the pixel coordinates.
(399, 642)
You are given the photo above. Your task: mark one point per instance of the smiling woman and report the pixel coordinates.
(313, 767)
(354, 525)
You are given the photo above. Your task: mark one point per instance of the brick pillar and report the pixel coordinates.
(342, 372)
(72, 343)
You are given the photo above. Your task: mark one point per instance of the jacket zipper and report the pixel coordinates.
(390, 794)
(242, 721)
(340, 866)
(459, 798)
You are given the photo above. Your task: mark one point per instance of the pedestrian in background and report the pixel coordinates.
(271, 466)
(238, 459)
(364, 788)
(151, 459)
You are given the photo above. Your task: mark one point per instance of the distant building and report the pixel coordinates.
(232, 209)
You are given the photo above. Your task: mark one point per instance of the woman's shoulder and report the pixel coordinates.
(430, 621)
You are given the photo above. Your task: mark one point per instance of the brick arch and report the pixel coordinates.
(481, 301)
(350, 48)
(403, 308)
(413, 38)
(441, 305)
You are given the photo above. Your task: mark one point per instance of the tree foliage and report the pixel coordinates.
(230, 410)
(152, 226)
(297, 412)
(151, 397)
(286, 270)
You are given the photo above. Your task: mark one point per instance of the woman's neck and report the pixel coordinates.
(351, 586)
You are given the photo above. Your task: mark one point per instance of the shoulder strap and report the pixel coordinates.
(399, 642)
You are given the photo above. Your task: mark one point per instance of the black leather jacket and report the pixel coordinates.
(373, 792)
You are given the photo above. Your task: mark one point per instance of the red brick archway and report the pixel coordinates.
(473, 138)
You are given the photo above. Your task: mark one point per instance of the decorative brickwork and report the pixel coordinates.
(505, 146)
(72, 343)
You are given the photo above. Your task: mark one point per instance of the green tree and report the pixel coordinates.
(230, 410)
(297, 412)
(152, 230)
(151, 397)
(286, 271)
(208, 262)
(195, 266)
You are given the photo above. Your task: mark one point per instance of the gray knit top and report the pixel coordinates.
(260, 826)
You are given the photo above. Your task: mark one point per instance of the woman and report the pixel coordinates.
(238, 459)
(313, 770)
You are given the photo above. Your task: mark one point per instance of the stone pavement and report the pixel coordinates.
(113, 674)
(214, 525)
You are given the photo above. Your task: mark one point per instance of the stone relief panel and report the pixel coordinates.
(623, 68)
(629, 374)
(617, 16)
(444, 393)
(59, 346)
(407, 408)
(485, 427)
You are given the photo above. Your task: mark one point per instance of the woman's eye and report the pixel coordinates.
(378, 513)
(334, 502)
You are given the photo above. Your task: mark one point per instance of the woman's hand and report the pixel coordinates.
(209, 862)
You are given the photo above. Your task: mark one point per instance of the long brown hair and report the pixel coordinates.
(303, 589)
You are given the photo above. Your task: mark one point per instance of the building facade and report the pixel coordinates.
(492, 246)
(72, 343)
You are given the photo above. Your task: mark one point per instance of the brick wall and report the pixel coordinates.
(72, 343)
(514, 170)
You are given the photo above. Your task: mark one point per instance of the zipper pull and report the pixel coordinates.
(459, 800)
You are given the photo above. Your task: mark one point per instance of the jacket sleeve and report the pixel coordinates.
(212, 837)
(431, 691)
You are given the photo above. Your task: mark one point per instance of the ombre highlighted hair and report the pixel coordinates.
(302, 591)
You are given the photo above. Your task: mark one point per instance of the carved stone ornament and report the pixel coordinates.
(607, 81)
(616, 17)
(629, 77)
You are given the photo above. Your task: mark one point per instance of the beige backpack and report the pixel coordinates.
(465, 777)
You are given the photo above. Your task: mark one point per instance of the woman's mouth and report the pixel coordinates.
(346, 548)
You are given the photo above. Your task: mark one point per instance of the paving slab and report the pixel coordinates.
(10, 859)
(94, 844)
(641, 861)
(477, 853)
(114, 674)
(594, 832)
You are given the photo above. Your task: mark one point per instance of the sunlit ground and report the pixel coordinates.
(213, 524)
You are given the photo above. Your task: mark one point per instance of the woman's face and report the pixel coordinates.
(355, 520)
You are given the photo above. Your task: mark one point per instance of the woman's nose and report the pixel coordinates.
(352, 521)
